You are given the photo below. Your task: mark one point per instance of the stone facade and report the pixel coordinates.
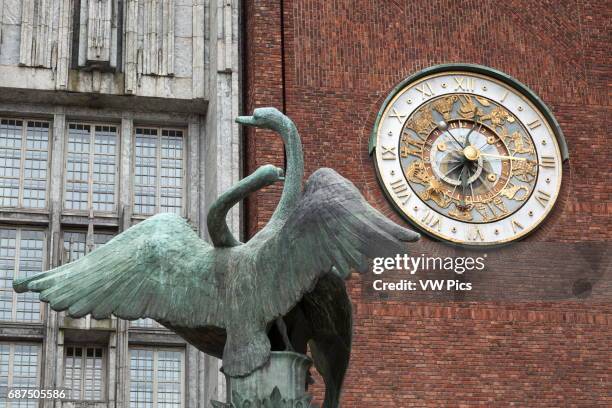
(329, 66)
(119, 109)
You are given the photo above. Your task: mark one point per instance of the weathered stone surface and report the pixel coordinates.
(12, 12)
(63, 91)
(183, 21)
(9, 49)
(184, 57)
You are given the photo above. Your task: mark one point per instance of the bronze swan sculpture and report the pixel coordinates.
(223, 298)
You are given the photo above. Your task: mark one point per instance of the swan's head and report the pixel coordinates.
(268, 118)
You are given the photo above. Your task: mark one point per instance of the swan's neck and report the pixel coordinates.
(218, 229)
(294, 173)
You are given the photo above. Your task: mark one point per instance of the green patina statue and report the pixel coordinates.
(283, 289)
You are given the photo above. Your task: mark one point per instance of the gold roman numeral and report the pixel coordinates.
(542, 197)
(474, 234)
(536, 123)
(401, 190)
(432, 219)
(388, 153)
(425, 90)
(465, 84)
(547, 161)
(516, 226)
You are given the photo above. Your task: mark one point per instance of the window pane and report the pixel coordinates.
(77, 167)
(84, 373)
(171, 171)
(23, 163)
(30, 263)
(145, 172)
(141, 378)
(5, 355)
(73, 373)
(23, 375)
(168, 379)
(11, 132)
(104, 171)
(93, 374)
(35, 165)
(91, 167)
(21, 254)
(158, 171)
(75, 244)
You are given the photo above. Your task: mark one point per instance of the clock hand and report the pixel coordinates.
(467, 138)
(464, 178)
(443, 127)
(495, 156)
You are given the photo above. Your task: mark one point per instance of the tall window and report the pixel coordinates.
(21, 254)
(158, 171)
(18, 370)
(84, 373)
(156, 378)
(24, 159)
(91, 167)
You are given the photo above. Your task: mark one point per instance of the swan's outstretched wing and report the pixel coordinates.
(332, 226)
(155, 269)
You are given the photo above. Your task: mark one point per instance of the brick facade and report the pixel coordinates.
(330, 65)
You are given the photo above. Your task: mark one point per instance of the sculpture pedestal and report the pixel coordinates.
(280, 383)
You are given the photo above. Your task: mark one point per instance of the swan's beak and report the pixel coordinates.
(246, 120)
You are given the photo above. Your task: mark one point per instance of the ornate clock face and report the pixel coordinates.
(467, 157)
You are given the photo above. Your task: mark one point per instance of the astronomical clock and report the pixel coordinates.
(468, 154)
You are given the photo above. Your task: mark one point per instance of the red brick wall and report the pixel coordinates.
(341, 58)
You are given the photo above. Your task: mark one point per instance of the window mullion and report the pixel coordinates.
(158, 195)
(83, 370)
(22, 159)
(155, 377)
(16, 269)
(10, 369)
(182, 376)
(92, 148)
(38, 366)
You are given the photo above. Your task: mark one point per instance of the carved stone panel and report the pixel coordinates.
(99, 30)
(98, 34)
(38, 47)
(149, 39)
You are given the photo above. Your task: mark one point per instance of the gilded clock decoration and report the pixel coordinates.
(468, 156)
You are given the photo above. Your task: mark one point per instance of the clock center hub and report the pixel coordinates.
(471, 153)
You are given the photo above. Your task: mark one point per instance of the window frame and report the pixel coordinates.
(156, 350)
(24, 131)
(63, 260)
(39, 361)
(184, 158)
(90, 178)
(19, 228)
(105, 366)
